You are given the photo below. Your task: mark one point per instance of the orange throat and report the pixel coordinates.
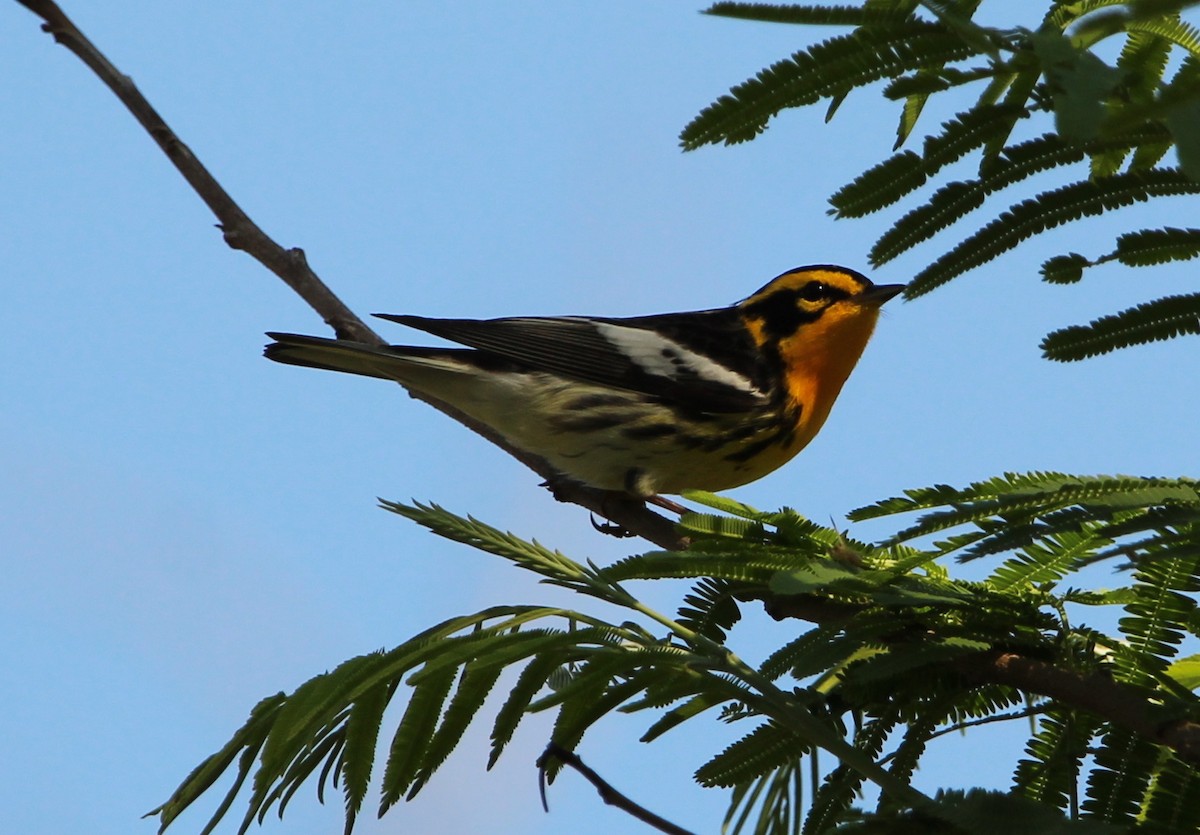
(819, 359)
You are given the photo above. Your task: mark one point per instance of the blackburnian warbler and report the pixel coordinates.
(646, 405)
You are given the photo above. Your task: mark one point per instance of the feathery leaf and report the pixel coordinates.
(1047, 211)
(1163, 318)
(806, 14)
(1157, 246)
(764, 749)
(825, 69)
(411, 738)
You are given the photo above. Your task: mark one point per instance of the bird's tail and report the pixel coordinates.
(384, 362)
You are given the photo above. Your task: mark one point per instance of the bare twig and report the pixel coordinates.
(959, 727)
(290, 265)
(239, 230)
(607, 793)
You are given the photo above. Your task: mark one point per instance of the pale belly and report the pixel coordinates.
(621, 440)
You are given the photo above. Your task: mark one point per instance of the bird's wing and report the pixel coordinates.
(702, 361)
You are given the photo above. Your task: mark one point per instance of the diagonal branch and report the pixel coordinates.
(244, 234)
(607, 793)
(240, 231)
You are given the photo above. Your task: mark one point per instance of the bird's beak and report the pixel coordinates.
(880, 293)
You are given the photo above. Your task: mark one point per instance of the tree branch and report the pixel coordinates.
(1096, 693)
(244, 234)
(607, 793)
(239, 230)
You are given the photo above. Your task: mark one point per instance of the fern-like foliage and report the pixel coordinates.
(825, 71)
(1107, 130)
(1056, 758)
(900, 654)
(1160, 319)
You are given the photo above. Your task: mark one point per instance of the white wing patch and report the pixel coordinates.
(664, 357)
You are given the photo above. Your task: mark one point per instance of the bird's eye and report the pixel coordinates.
(814, 291)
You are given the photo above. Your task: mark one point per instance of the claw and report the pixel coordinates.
(610, 528)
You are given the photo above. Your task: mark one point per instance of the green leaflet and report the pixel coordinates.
(882, 588)
(1186, 671)
(1171, 29)
(1047, 211)
(358, 752)
(837, 792)
(1117, 783)
(778, 796)
(745, 562)
(246, 742)
(809, 14)
(903, 173)
(760, 752)
(1056, 751)
(530, 682)
(1153, 321)
(474, 684)
(1157, 246)
(1065, 269)
(412, 736)
(1026, 494)
(1172, 801)
(1047, 561)
(677, 716)
(710, 609)
(825, 70)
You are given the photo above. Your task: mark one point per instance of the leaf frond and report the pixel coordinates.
(1171, 29)
(1056, 752)
(812, 15)
(766, 748)
(841, 785)
(1157, 246)
(1160, 319)
(904, 173)
(824, 70)
(1047, 211)
(1117, 783)
(710, 609)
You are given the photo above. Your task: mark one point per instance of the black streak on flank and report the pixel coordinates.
(749, 451)
(784, 435)
(586, 422)
(648, 431)
(591, 401)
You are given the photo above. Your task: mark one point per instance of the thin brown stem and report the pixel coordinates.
(607, 793)
(240, 231)
(292, 267)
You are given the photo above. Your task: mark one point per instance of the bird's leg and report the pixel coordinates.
(666, 504)
(612, 497)
(554, 485)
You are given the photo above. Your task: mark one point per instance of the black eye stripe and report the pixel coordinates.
(781, 312)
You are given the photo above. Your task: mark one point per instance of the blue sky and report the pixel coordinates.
(185, 527)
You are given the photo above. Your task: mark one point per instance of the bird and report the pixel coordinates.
(647, 405)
